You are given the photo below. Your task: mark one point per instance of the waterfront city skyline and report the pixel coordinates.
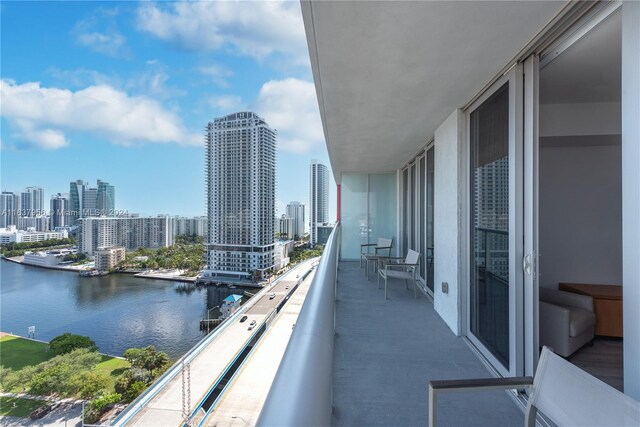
(142, 65)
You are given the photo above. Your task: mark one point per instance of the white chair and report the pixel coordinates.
(373, 252)
(564, 393)
(406, 270)
(567, 320)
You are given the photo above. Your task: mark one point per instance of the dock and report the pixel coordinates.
(209, 324)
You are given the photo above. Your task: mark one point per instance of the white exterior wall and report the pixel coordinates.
(28, 237)
(631, 195)
(447, 231)
(240, 170)
(42, 259)
(131, 233)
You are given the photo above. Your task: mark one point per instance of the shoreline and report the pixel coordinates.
(168, 276)
(78, 269)
(9, 334)
(73, 269)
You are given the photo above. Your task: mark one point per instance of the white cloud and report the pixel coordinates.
(48, 139)
(80, 77)
(217, 73)
(112, 43)
(41, 116)
(291, 107)
(100, 34)
(253, 28)
(154, 83)
(226, 103)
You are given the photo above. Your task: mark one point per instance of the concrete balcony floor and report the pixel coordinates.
(386, 352)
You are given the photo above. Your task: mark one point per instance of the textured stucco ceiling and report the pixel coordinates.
(389, 73)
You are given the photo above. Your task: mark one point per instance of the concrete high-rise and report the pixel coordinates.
(60, 209)
(295, 211)
(286, 227)
(98, 233)
(319, 193)
(9, 205)
(196, 226)
(32, 201)
(240, 180)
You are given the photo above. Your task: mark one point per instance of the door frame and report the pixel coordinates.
(516, 227)
(530, 214)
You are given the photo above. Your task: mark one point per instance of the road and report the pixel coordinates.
(164, 405)
(245, 395)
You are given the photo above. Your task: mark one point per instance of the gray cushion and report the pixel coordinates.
(581, 320)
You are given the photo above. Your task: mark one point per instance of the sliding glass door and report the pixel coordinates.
(428, 249)
(495, 282)
(418, 213)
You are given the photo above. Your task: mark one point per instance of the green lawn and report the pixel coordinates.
(16, 352)
(113, 367)
(22, 408)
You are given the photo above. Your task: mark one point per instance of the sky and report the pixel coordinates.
(122, 92)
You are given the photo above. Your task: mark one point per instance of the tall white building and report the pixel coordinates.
(295, 211)
(196, 226)
(97, 233)
(37, 223)
(319, 204)
(9, 205)
(59, 212)
(32, 201)
(286, 227)
(240, 178)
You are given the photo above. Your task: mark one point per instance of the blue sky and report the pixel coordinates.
(122, 91)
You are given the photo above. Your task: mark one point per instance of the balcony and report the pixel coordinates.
(385, 352)
(383, 355)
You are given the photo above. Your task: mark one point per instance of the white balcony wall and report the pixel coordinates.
(368, 211)
(447, 221)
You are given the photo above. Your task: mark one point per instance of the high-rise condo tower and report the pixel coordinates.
(240, 180)
(319, 193)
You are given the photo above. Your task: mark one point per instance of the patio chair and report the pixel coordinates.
(564, 393)
(373, 252)
(392, 268)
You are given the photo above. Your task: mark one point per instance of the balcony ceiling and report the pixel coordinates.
(388, 74)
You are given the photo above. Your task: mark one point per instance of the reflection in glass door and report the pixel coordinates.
(489, 289)
(429, 256)
(405, 211)
(422, 221)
